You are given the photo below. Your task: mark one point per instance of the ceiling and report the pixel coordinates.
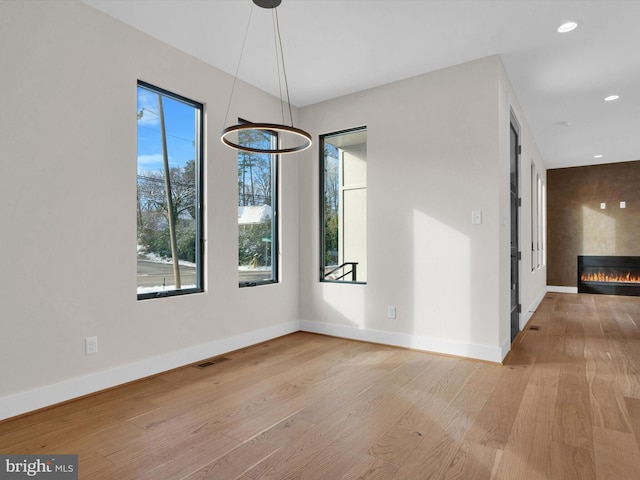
(336, 47)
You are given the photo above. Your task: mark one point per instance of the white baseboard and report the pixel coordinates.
(427, 344)
(505, 348)
(526, 316)
(556, 289)
(47, 395)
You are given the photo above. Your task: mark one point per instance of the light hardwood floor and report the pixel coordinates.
(566, 405)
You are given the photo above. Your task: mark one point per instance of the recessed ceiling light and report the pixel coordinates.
(597, 156)
(568, 26)
(611, 98)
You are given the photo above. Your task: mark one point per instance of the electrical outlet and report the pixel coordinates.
(91, 345)
(391, 312)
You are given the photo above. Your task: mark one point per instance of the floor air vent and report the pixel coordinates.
(534, 327)
(213, 361)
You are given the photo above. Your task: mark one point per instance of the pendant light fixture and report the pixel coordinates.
(302, 138)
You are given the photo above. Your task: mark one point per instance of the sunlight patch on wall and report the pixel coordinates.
(442, 279)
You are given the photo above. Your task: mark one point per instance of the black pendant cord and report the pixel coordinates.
(284, 70)
(235, 77)
(275, 45)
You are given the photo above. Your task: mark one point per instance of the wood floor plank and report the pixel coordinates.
(327, 414)
(437, 451)
(633, 407)
(350, 426)
(95, 466)
(292, 397)
(242, 458)
(423, 416)
(606, 394)
(630, 361)
(574, 342)
(496, 420)
(526, 451)
(371, 413)
(617, 454)
(572, 422)
(472, 462)
(232, 407)
(571, 451)
(226, 386)
(177, 462)
(370, 468)
(330, 462)
(571, 463)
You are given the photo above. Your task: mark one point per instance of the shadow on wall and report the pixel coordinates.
(347, 309)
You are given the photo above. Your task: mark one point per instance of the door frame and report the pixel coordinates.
(514, 316)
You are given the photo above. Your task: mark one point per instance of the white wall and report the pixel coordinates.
(67, 204)
(436, 151)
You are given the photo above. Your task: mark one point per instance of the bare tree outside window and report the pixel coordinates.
(257, 210)
(168, 200)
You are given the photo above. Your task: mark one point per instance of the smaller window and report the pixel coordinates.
(538, 219)
(257, 209)
(542, 207)
(343, 216)
(534, 218)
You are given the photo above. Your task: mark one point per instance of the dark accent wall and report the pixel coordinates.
(576, 223)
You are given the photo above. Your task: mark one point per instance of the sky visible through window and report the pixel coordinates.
(180, 128)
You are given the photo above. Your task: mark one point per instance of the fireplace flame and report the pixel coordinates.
(607, 277)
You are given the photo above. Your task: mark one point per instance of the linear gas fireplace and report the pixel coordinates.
(609, 275)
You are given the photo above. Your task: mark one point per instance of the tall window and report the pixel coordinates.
(257, 210)
(542, 221)
(534, 218)
(343, 222)
(169, 193)
(538, 220)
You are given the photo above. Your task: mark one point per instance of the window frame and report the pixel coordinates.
(542, 221)
(321, 191)
(535, 217)
(199, 186)
(275, 218)
(538, 219)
